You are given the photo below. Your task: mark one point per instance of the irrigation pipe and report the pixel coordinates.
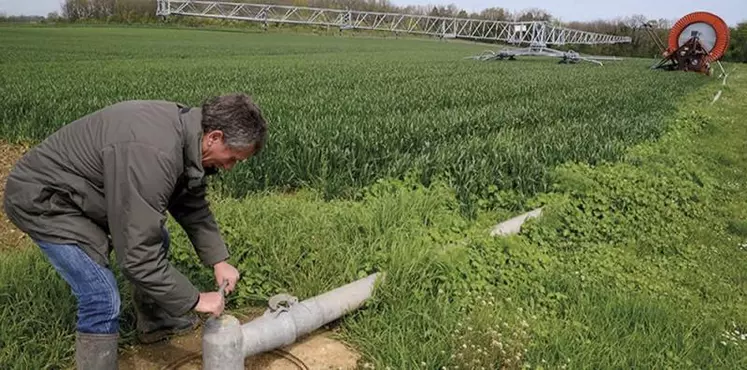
(715, 98)
(723, 83)
(226, 343)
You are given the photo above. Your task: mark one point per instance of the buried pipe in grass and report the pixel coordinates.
(226, 343)
(513, 226)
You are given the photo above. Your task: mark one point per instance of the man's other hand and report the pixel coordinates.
(225, 272)
(211, 302)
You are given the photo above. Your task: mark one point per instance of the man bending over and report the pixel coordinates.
(106, 181)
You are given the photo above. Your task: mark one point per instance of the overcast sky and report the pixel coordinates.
(732, 11)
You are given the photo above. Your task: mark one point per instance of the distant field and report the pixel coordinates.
(345, 111)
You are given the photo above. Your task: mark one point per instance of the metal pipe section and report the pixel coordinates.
(513, 226)
(222, 344)
(226, 343)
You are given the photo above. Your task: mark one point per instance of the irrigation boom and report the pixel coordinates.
(529, 32)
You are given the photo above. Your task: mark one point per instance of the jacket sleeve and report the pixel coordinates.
(138, 180)
(192, 211)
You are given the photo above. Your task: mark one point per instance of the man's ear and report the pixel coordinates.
(215, 136)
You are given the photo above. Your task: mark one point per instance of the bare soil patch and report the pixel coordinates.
(10, 236)
(319, 350)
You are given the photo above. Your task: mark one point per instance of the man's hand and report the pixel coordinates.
(211, 302)
(225, 272)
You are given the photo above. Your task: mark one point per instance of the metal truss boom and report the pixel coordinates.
(536, 33)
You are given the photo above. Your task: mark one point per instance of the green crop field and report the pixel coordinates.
(345, 112)
(398, 155)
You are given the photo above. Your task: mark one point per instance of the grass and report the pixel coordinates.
(347, 111)
(38, 313)
(660, 285)
(637, 262)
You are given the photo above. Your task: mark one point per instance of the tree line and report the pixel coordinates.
(638, 27)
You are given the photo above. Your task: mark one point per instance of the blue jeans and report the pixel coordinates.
(94, 286)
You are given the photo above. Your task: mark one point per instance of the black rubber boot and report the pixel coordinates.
(96, 351)
(154, 324)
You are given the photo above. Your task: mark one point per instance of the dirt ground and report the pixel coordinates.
(316, 351)
(10, 237)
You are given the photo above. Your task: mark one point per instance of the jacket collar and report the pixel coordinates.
(191, 119)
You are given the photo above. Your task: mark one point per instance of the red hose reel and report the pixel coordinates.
(695, 41)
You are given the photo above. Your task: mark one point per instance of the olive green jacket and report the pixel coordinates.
(107, 179)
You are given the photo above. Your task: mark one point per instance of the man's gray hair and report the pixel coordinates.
(238, 117)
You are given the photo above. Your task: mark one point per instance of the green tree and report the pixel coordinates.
(737, 51)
